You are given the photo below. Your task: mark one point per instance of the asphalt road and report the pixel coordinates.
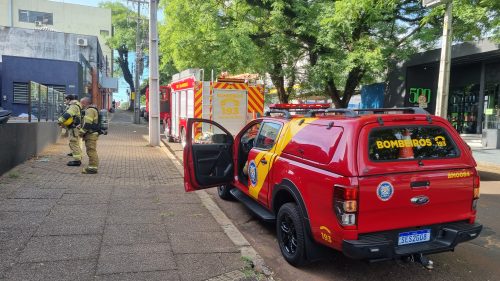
(478, 259)
(475, 260)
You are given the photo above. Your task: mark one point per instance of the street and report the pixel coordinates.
(475, 260)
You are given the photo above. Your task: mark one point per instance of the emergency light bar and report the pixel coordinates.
(290, 106)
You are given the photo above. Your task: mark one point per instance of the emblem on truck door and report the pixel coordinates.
(385, 191)
(420, 200)
(252, 172)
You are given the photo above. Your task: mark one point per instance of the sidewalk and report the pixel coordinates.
(132, 221)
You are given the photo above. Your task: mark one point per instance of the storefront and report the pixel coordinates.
(474, 92)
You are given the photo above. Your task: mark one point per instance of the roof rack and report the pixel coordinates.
(345, 111)
(285, 113)
(412, 110)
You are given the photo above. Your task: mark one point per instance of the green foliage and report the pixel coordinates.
(329, 47)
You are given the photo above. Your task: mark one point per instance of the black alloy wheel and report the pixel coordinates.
(223, 191)
(290, 232)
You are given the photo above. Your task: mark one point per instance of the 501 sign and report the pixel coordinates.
(420, 95)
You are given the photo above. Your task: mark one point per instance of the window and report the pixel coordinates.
(410, 142)
(35, 17)
(267, 135)
(20, 92)
(104, 32)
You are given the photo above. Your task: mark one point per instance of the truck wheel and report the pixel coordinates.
(291, 236)
(224, 193)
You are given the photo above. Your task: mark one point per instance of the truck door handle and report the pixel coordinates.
(418, 184)
(263, 161)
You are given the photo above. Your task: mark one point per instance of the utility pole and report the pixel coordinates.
(154, 86)
(138, 58)
(444, 64)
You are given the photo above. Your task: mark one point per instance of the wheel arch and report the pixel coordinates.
(286, 191)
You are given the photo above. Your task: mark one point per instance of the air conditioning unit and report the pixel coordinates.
(81, 42)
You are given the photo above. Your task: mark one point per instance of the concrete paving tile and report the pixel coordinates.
(133, 192)
(104, 190)
(21, 219)
(78, 211)
(61, 270)
(179, 198)
(71, 226)
(134, 204)
(167, 275)
(83, 199)
(135, 258)
(183, 209)
(135, 217)
(8, 258)
(54, 248)
(15, 238)
(201, 242)
(26, 205)
(125, 234)
(194, 222)
(37, 193)
(207, 265)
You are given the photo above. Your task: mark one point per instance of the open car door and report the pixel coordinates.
(208, 155)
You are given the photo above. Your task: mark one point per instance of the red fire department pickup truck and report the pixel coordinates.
(375, 184)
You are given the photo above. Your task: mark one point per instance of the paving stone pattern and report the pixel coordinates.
(132, 221)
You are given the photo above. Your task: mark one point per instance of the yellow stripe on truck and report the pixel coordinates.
(288, 131)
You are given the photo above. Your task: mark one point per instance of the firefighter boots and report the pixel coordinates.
(74, 163)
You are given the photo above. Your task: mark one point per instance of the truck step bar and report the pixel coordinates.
(255, 207)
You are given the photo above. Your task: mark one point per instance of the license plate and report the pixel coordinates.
(412, 237)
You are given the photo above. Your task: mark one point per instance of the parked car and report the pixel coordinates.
(4, 115)
(375, 184)
(142, 110)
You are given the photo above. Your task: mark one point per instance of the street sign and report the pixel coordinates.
(432, 3)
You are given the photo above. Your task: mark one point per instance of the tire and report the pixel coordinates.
(291, 235)
(224, 193)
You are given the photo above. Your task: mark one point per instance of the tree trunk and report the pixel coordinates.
(127, 75)
(279, 82)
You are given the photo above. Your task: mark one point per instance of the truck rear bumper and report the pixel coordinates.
(384, 245)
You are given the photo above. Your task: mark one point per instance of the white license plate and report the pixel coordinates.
(412, 237)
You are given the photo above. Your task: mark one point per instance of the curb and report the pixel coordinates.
(246, 250)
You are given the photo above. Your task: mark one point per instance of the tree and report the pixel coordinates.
(330, 47)
(124, 36)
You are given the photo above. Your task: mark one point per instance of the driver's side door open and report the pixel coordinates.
(208, 155)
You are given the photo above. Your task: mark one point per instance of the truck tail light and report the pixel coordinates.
(345, 204)
(475, 187)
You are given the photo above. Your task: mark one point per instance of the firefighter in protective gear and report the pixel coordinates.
(89, 131)
(70, 120)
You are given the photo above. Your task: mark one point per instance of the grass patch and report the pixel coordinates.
(14, 175)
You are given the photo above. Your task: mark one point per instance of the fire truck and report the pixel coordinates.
(230, 101)
(164, 105)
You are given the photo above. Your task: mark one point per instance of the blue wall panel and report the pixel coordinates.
(43, 71)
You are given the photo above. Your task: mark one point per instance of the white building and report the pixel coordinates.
(61, 17)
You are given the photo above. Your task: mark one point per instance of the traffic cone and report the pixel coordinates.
(406, 152)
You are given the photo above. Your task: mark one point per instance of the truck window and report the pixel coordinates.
(267, 135)
(410, 142)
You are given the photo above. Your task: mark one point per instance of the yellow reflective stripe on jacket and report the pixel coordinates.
(74, 109)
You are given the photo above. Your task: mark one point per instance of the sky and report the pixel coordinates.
(121, 95)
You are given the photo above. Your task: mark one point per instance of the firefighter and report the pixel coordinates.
(70, 120)
(89, 130)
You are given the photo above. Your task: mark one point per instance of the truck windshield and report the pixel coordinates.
(410, 142)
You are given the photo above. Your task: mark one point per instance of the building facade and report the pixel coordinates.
(84, 50)
(474, 90)
(17, 72)
(60, 17)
